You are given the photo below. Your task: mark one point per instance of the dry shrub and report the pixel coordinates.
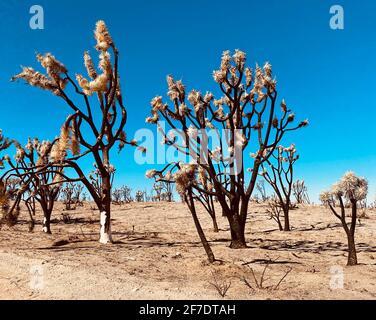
(258, 282)
(8, 217)
(220, 284)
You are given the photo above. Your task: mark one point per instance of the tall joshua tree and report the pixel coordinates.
(247, 111)
(84, 133)
(280, 177)
(353, 189)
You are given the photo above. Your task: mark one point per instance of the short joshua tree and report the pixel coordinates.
(71, 195)
(42, 186)
(280, 175)
(140, 196)
(260, 186)
(353, 189)
(300, 192)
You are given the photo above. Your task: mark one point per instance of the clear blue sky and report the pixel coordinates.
(325, 75)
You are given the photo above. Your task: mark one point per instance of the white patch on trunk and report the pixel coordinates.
(44, 225)
(105, 236)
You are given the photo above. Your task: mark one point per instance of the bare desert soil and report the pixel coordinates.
(157, 255)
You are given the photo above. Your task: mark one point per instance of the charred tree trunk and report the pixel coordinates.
(191, 205)
(352, 256)
(105, 214)
(286, 215)
(279, 224)
(215, 225)
(213, 214)
(30, 205)
(237, 228)
(47, 221)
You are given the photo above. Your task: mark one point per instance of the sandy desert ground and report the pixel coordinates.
(157, 255)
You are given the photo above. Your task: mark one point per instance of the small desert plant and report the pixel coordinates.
(9, 217)
(259, 281)
(353, 189)
(66, 218)
(221, 285)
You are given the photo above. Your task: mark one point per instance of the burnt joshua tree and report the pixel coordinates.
(84, 134)
(185, 176)
(205, 198)
(300, 192)
(140, 196)
(163, 190)
(354, 190)
(245, 117)
(71, 195)
(126, 195)
(275, 211)
(34, 185)
(260, 186)
(280, 176)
